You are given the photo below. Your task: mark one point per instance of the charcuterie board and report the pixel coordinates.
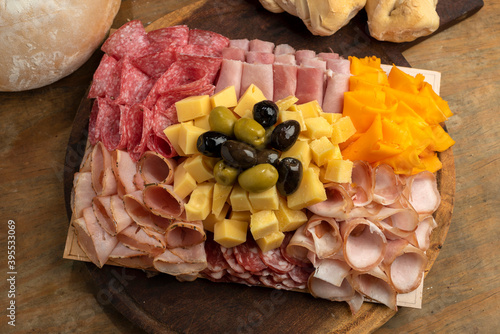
(161, 303)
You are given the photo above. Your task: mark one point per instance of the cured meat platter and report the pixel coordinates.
(161, 303)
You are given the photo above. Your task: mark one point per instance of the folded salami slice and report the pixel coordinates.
(130, 39)
(208, 38)
(134, 84)
(106, 79)
(108, 123)
(247, 255)
(168, 37)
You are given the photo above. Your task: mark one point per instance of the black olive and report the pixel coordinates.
(210, 142)
(285, 135)
(290, 176)
(238, 154)
(265, 113)
(268, 156)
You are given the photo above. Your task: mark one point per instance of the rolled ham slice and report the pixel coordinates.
(261, 75)
(258, 57)
(239, 43)
(82, 194)
(364, 244)
(315, 62)
(356, 302)
(261, 46)
(283, 49)
(230, 75)
(93, 239)
(362, 183)
(233, 53)
(300, 245)
(339, 65)
(332, 271)
(338, 203)
(284, 80)
(101, 205)
(136, 238)
(185, 234)
(374, 285)
(404, 265)
(124, 169)
(310, 84)
(328, 55)
(422, 193)
(423, 232)
(142, 216)
(388, 187)
(301, 55)
(322, 289)
(325, 234)
(161, 200)
(336, 85)
(155, 168)
(286, 59)
(103, 180)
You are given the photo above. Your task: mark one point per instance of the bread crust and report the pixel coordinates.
(44, 41)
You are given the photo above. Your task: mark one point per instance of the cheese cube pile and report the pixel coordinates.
(230, 212)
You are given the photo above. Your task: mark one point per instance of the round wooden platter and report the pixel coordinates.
(161, 303)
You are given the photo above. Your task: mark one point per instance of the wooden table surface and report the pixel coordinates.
(54, 295)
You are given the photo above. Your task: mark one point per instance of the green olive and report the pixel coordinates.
(249, 131)
(224, 174)
(221, 119)
(258, 178)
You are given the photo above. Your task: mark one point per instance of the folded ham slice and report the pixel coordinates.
(362, 183)
(82, 194)
(124, 169)
(162, 201)
(155, 168)
(261, 46)
(374, 285)
(338, 203)
(127, 257)
(325, 235)
(142, 216)
(101, 205)
(103, 180)
(323, 289)
(310, 84)
(364, 244)
(181, 261)
(259, 57)
(121, 218)
(423, 232)
(388, 186)
(233, 53)
(261, 75)
(284, 80)
(283, 49)
(230, 75)
(422, 193)
(300, 245)
(136, 238)
(332, 271)
(185, 234)
(336, 85)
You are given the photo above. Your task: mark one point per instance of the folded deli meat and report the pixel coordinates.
(152, 194)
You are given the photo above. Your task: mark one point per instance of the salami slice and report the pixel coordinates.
(108, 123)
(215, 259)
(123, 130)
(274, 260)
(136, 151)
(130, 39)
(200, 50)
(168, 37)
(94, 133)
(106, 79)
(155, 64)
(208, 38)
(228, 254)
(134, 84)
(247, 255)
(132, 122)
(300, 275)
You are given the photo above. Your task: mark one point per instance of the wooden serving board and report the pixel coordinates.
(161, 303)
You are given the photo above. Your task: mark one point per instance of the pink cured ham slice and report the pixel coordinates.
(261, 75)
(233, 53)
(258, 57)
(315, 62)
(300, 245)
(136, 238)
(328, 55)
(228, 254)
(310, 84)
(170, 263)
(240, 43)
(374, 285)
(336, 85)
(141, 215)
(362, 183)
(168, 37)
(247, 255)
(130, 39)
(185, 234)
(208, 38)
(284, 81)
(82, 194)
(356, 302)
(301, 55)
(94, 240)
(155, 64)
(286, 59)
(103, 180)
(332, 271)
(340, 65)
(322, 289)
(275, 261)
(288, 257)
(387, 187)
(134, 84)
(122, 251)
(399, 215)
(230, 75)
(163, 201)
(155, 168)
(108, 123)
(422, 193)
(216, 263)
(120, 217)
(124, 169)
(192, 254)
(101, 205)
(283, 49)
(404, 265)
(106, 79)
(364, 244)
(261, 46)
(338, 203)
(423, 232)
(126, 257)
(325, 234)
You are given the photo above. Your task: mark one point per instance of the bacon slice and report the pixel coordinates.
(155, 168)
(103, 180)
(185, 234)
(161, 200)
(325, 235)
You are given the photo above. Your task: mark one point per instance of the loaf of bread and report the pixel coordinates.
(42, 41)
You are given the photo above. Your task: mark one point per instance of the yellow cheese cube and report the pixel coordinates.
(200, 202)
(184, 183)
(251, 96)
(220, 196)
(310, 191)
(301, 151)
(240, 215)
(192, 107)
(226, 98)
(339, 171)
(172, 133)
(289, 220)
(342, 130)
(188, 135)
(322, 150)
(265, 200)
(315, 169)
(310, 109)
(337, 154)
(239, 199)
(230, 233)
(263, 223)
(330, 116)
(211, 220)
(202, 122)
(200, 167)
(318, 127)
(295, 115)
(270, 241)
(286, 103)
